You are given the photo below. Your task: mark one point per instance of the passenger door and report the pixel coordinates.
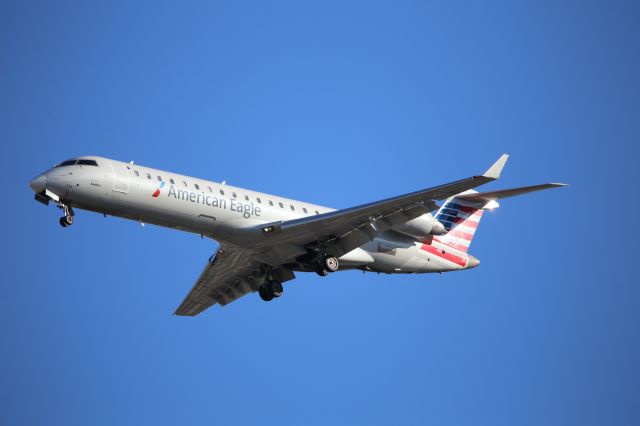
(120, 177)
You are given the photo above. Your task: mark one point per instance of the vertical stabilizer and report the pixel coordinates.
(461, 219)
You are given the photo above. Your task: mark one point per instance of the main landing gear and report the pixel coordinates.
(326, 265)
(67, 219)
(270, 290)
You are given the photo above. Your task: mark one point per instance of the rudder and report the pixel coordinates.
(461, 219)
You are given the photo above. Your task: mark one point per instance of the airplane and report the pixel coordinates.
(265, 239)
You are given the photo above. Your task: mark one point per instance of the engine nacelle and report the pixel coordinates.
(422, 227)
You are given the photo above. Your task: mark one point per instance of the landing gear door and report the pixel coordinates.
(120, 177)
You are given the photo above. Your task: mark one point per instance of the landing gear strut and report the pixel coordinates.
(270, 290)
(67, 219)
(326, 265)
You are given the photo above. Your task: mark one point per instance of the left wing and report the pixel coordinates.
(228, 276)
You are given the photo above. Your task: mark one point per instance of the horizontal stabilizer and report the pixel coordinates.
(504, 193)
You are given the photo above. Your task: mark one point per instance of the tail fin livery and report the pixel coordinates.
(460, 218)
(461, 213)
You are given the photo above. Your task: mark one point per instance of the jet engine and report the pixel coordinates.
(421, 227)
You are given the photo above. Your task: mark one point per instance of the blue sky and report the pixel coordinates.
(337, 103)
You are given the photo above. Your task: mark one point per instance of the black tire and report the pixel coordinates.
(68, 220)
(276, 288)
(63, 223)
(321, 271)
(265, 293)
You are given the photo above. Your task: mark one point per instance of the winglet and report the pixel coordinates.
(494, 171)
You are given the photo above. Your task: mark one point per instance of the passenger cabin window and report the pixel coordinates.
(184, 184)
(148, 175)
(292, 208)
(159, 179)
(196, 186)
(281, 205)
(66, 163)
(304, 209)
(171, 180)
(209, 188)
(135, 172)
(221, 192)
(317, 212)
(246, 197)
(258, 200)
(234, 195)
(270, 202)
(87, 163)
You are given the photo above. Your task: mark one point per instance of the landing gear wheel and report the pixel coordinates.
(321, 271)
(67, 211)
(264, 293)
(330, 263)
(66, 221)
(270, 290)
(276, 288)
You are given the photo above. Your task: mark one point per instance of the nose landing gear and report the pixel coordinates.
(67, 219)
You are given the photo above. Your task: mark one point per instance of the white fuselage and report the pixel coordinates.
(218, 211)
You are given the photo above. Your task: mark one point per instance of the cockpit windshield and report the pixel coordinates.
(78, 162)
(66, 163)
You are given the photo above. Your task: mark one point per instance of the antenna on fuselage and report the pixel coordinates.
(131, 162)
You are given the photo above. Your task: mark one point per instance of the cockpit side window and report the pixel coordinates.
(87, 163)
(67, 163)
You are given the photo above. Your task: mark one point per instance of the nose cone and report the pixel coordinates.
(473, 262)
(38, 184)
